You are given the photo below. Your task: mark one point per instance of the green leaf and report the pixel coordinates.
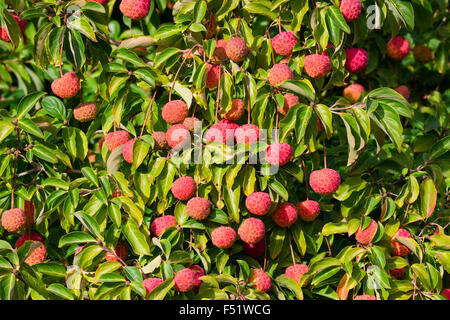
(75, 238)
(159, 292)
(136, 238)
(28, 102)
(277, 237)
(301, 87)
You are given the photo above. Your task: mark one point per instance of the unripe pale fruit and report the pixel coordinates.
(280, 72)
(183, 188)
(121, 251)
(258, 203)
(296, 271)
(290, 100)
(160, 140)
(366, 236)
(261, 281)
(160, 224)
(212, 75)
(356, 60)
(255, 250)
(128, 150)
(29, 213)
(317, 66)
(85, 112)
(397, 48)
(283, 43)
(135, 9)
(248, 134)
(175, 111)
(397, 273)
(279, 154)
(223, 237)
(38, 254)
(13, 220)
(236, 49)
(151, 283)
(285, 215)
(185, 280)
(67, 86)
(308, 210)
(252, 230)
(178, 136)
(324, 181)
(365, 297)
(22, 25)
(198, 272)
(116, 138)
(237, 110)
(190, 123)
(353, 92)
(198, 208)
(404, 91)
(422, 54)
(350, 9)
(399, 248)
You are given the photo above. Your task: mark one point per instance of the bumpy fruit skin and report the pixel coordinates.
(308, 210)
(13, 220)
(212, 75)
(151, 283)
(190, 123)
(185, 280)
(317, 66)
(365, 297)
(283, 43)
(397, 48)
(258, 203)
(404, 91)
(116, 138)
(216, 133)
(38, 254)
(236, 49)
(279, 154)
(29, 213)
(290, 100)
(279, 73)
(177, 136)
(366, 236)
(67, 86)
(237, 110)
(255, 250)
(423, 54)
(252, 230)
(350, 9)
(160, 139)
(446, 293)
(175, 111)
(183, 188)
(85, 112)
(135, 9)
(397, 273)
(296, 271)
(261, 281)
(248, 134)
(121, 251)
(223, 237)
(399, 248)
(324, 181)
(353, 92)
(285, 215)
(198, 272)
(160, 224)
(198, 208)
(356, 60)
(128, 150)
(22, 25)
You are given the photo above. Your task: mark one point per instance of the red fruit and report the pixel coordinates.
(366, 235)
(151, 283)
(183, 188)
(252, 230)
(220, 50)
(324, 181)
(212, 75)
(178, 136)
(160, 139)
(446, 293)
(350, 9)
(290, 100)
(255, 250)
(397, 48)
(116, 139)
(198, 208)
(121, 251)
(102, 2)
(317, 66)
(283, 43)
(67, 86)
(198, 272)
(258, 203)
(85, 112)
(160, 224)
(279, 73)
(236, 49)
(279, 154)
(223, 237)
(285, 215)
(404, 91)
(248, 134)
(356, 60)
(237, 110)
(308, 210)
(353, 92)
(216, 133)
(365, 297)
(22, 24)
(185, 280)
(296, 271)
(397, 273)
(399, 248)
(422, 54)
(175, 111)
(135, 9)
(190, 123)
(261, 281)
(13, 220)
(38, 254)
(230, 125)
(128, 150)
(29, 213)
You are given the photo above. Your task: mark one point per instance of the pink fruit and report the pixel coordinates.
(175, 111)
(116, 138)
(258, 203)
(366, 235)
(151, 283)
(236, 49)
(353, 92)
(223, 237)
(308, 210)
(356, 60)
(296, 271)
(183, 188)
(399, 248)
(279, 154)
(317, 66)
(324, 181)
(255, 250)
(160, 224)
(13, 220)
(283, 43)
(178, 136)
(216, 133)
(135, 9)
(285, 215)
(290, 100)
(252, 230)
(185, 280)
(38, 254)
(198, 208)
(350, 9)
(190, 123)
(261, 281)
(67, 86)
(198, 272)
(22, 25)
(85, 112)
(279, 73)
(397, 48)
(248, 134)
(128, 150)
(212, 75)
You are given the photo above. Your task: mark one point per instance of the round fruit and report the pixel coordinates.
(308, 210)
(279, 154)
(248, 134)
(283, 43)
(178, 136)
(255, 250)
(261, 281)
(212, 75)
(290, 100)
(185, 280)
(285, 215)
(135, 9)
(258, 203)
(399, 248)
(183, 188)
(198, 208)
(237, 110)
(116, 138)
(151, 283)
(13, 220)
(85, 112)
(160, 139)
(175, 111)
(366, 235)
(236, 49)
(67, 86)
(325, 181)
(252, 230)
(223, 237)
(317, 66)
(356, 60)
(353, 92)
(397, 48)
(296, 271)
(160, 224)
(365, 297)
(127, 150)
(121, 251)
(38, 254)
(350, 9)
(279, 73)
